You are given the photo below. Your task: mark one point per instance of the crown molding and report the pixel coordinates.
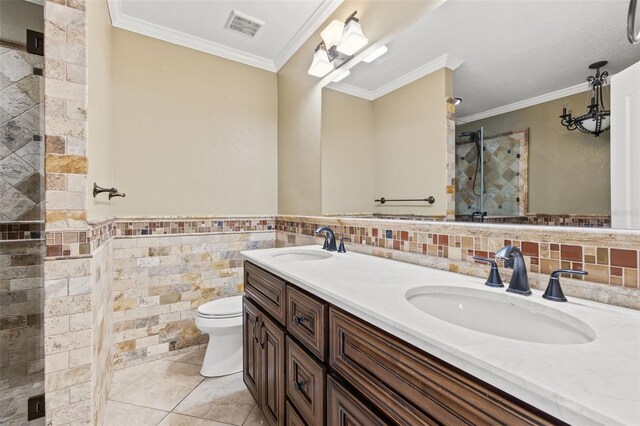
(444, 61)
(38, 2)
(352, 90)
(118, 19)
(311, 26)
(562, 93)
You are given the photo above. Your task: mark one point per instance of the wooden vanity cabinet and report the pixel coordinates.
(297, 374)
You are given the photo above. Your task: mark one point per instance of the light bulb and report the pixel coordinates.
(332, 34)
(352, 38)
(320, 66)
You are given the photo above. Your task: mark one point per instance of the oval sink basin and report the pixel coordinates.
(500, 315)
(296, 255)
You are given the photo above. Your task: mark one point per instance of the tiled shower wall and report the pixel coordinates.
(505, 175)
(21, 246)
(611, 257)
(21, 334)
(21, 145)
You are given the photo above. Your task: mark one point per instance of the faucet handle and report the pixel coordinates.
(554, 290)
(494, 279)
(341, 247)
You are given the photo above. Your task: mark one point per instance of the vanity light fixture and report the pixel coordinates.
(340, 41)
(597, 119)
(375, 54)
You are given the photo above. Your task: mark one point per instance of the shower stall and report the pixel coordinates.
(21, 215)
(491, 174)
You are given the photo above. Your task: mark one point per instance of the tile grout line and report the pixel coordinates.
(202, 379)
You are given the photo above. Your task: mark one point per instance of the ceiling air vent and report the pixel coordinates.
(243, 24)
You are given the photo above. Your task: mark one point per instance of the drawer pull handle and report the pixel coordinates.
(298, 319)
(298, 385)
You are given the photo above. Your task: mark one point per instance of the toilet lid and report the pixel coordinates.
(227, 307)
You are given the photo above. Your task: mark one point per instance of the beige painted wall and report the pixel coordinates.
(99, 106)
(410, 145)
(300, 100)
(569, 172)
(347, 153)
(16, 16)
(194, 134)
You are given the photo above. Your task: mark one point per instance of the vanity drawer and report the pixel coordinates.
(266, 289)
(414, 388)
(344, 409)
(307, 319)
(293, 418)
(306, 383)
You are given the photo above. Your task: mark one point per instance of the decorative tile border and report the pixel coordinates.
(21, 231)
(586, 221)
(611, 257)
(196, 225)
(79, 243)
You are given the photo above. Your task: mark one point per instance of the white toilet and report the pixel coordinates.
(221, 319)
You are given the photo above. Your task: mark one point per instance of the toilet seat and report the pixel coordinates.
(226, 308)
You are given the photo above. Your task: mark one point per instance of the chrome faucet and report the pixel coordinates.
(330, 238)
(513, 259)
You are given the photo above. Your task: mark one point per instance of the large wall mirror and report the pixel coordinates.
(502, 154)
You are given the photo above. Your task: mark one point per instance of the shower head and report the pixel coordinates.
(473, 136)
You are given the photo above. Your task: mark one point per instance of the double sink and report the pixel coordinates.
(483, 310)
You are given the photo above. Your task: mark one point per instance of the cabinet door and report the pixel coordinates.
(273, 390)
(306, 383)
(252, 350)
(343, 409)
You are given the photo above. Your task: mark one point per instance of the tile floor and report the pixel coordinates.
(171, 391)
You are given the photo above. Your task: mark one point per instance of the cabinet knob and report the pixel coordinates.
(298, 385)
(298, 319)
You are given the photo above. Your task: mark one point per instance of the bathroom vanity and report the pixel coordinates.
(343, 338)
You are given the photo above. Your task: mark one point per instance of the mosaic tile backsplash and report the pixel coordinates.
(610, 257)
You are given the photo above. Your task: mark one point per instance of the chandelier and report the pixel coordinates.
(597, 119)
(340, 41)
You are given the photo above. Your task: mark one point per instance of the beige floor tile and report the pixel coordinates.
(121, 378)
(223, 399)
(255, 418)
(196, 357)
(174, 419)
(121, 414)
(163, 387)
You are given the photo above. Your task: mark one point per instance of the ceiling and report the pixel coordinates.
(511, 51)
(201, 25)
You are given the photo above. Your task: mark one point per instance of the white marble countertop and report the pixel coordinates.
(591, 383)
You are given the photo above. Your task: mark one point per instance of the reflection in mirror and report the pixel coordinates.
(502, 155)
